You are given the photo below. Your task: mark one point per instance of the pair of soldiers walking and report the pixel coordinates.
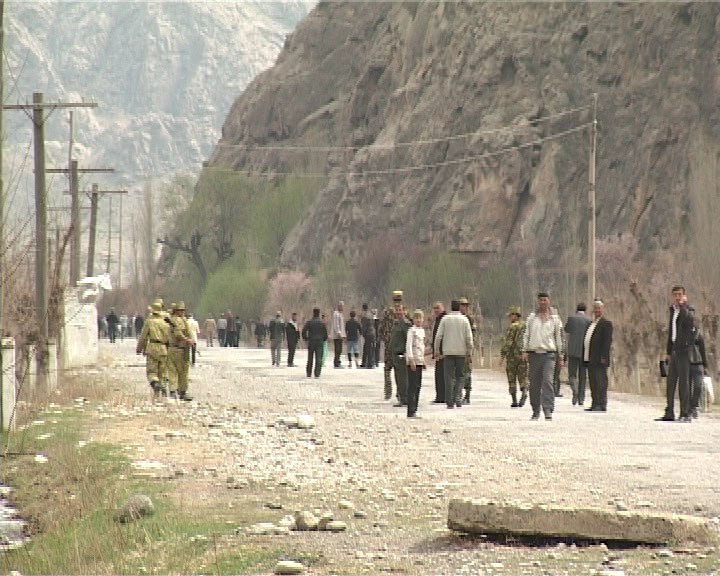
(166, 342)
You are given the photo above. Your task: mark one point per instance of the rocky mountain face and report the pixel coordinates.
(163, 73)
(379, 95)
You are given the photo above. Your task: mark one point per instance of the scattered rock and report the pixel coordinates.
(305, 422)
(345, 505)
(359, 514)
(306, 520)
(289, 567)
(41, 459)
(325, 519)
(336, 526)
(273, 505)
(136, 507)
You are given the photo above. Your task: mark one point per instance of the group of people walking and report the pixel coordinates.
(534, 351)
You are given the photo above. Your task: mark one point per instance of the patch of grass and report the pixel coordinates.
(69, 503)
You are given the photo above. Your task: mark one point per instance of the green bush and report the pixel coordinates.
(432, 276)
(242, 291)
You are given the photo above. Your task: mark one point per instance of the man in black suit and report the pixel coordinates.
(680, 337)
(596, 353)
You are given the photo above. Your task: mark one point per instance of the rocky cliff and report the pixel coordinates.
(371, 94)
(163, 73)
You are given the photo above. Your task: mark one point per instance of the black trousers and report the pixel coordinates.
(222, 333)
(368, 357)
(413, 389)
(338, 351)
(439, 381)
(291, 351)
(314, 354)
(597, 374)
(678, 378)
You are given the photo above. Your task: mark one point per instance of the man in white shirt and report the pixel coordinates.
(337, 333)
(542, 346)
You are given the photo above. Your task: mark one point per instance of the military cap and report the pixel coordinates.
(179, 306)
(172, 306)
(156, 307)
(513, 310)
(397, 295)
(463, 300)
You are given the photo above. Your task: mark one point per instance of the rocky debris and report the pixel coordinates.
(345, 505)
(487, 517)
(335, 526)
(306, 520)
(136, 507)
(289, 567)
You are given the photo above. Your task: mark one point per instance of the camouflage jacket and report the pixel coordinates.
(386, 323)
(512, 342)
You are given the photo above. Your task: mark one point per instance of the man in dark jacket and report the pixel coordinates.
(112, 322)
(575, 327)
(292, 335)
(315, 334)
(276, 329)
(438, 312)
(681, 336)
(596, 346)
(368, 333)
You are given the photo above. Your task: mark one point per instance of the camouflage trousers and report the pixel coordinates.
(178, 369)
(516, 371)
(467, 376)
(387, 370)
(156, 369)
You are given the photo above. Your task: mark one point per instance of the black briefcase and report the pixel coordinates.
(663, 368)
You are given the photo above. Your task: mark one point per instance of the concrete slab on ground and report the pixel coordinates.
(487, 517)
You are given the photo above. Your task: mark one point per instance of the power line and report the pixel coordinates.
(503, 129)
(406, 169)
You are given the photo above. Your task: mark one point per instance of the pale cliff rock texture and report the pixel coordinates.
(367, 76)
(164, 74)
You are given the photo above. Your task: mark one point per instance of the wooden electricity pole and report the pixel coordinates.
(38, 108)
(591, 201)
(73, 171)
(94, 200)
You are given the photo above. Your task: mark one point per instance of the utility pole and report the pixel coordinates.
(109, 248)
(592, 223)
(120, 244)
(94, 200)
(73, 171)
(38, 108)
(2, 209)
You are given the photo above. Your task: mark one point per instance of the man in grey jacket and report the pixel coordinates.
(454, 337)
(576, 326)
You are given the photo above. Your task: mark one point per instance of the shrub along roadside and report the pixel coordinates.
(69, 502)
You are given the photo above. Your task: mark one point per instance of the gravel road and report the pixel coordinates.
(398, 474)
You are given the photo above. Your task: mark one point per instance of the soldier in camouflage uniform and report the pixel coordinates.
(179, 353)
(511, 352)
(152, 342)
(467, 370)
(384, 332)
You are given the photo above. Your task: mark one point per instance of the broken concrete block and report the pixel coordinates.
(523, 519)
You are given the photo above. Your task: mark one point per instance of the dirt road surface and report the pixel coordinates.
(228, 450)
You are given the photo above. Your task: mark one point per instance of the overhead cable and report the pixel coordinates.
(405, 169)
(504, 129)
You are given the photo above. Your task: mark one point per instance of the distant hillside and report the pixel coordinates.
(163, 73)
(366, 77)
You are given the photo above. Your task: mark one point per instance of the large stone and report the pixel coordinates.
(306, 520)
(488, 517)
(136, 507)
(289, 567)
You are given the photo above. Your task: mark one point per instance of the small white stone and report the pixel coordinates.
(345, 505)
(41, 459)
